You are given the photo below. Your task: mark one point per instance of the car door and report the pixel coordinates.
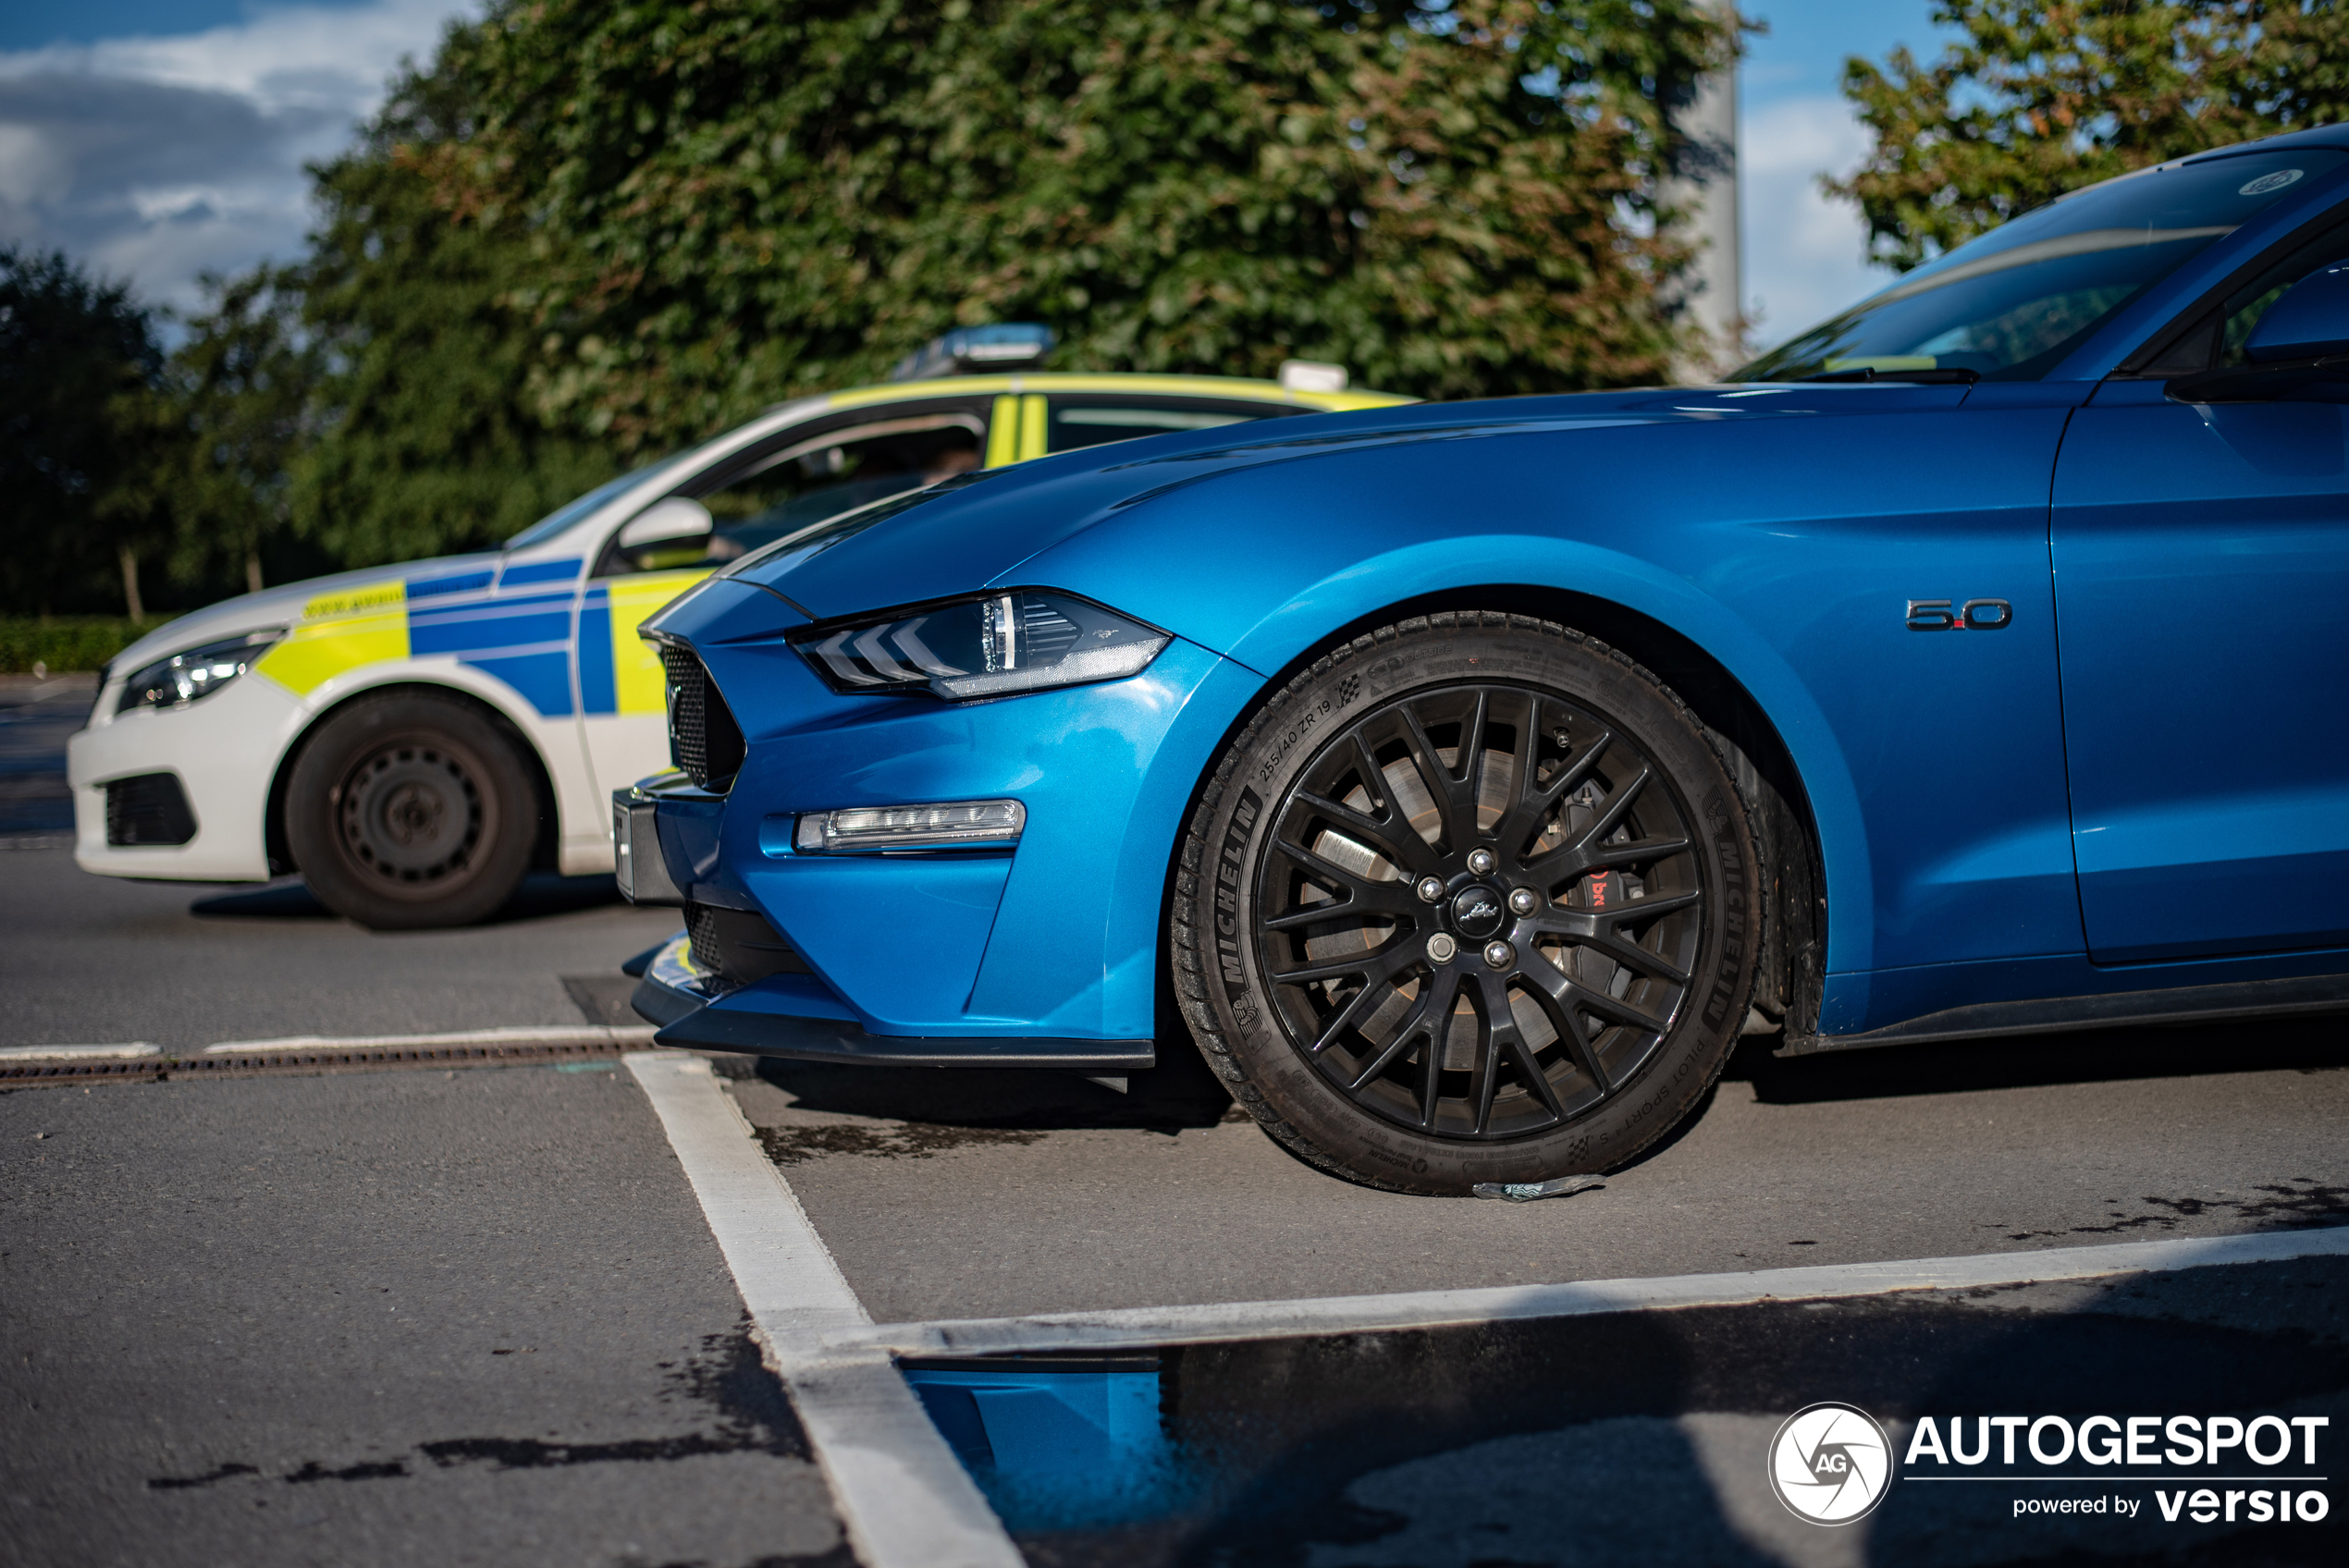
(2202, 570)
(795, 478)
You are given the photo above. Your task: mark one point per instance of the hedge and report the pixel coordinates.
(69, 642)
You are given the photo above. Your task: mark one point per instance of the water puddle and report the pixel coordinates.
(1641, 1438)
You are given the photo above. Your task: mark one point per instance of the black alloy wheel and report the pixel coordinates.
(1478, 891)
(411, 810)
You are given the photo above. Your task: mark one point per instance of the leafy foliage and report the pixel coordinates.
(76, 353)
(419, 313)
(741, 201)
(2044, 96)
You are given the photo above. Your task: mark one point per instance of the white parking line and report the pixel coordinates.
(1140, 1328)
(79, 1053)
(557, 1035)
(903, 1498)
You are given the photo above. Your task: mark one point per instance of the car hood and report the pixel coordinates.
(281, 606)
(975, 531)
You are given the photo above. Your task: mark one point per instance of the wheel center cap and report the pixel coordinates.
(1476, 910)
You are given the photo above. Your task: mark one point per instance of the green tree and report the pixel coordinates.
(240, 392)
(730, 202)
(421, 317)
(2044, 96)
(77, 356)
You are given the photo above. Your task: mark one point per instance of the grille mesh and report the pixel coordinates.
(703, 737)
(150, 809)
(701, 924)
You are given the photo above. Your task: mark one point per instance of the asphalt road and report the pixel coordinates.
(476, 1316)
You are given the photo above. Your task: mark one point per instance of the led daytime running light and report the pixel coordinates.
(878, 829)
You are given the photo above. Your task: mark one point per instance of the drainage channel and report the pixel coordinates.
(323, 1057)
(1653, 1435)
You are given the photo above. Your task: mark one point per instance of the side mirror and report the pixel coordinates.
(2299, 352)
(2310, 321)
(676, 518)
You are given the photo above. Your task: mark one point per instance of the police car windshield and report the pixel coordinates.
(2010, 305)
(562, 517)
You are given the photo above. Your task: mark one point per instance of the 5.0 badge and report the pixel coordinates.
(1975, 615)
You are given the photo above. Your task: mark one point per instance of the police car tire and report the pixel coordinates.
(1219, 982)
(472, 782)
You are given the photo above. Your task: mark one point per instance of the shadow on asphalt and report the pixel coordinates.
(2305, 1044)
(542, 894)
(1181, 1092)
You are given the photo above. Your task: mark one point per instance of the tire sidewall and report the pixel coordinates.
(1226, 1000)
(313, 833)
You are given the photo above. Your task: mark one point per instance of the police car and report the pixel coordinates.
(414, 739)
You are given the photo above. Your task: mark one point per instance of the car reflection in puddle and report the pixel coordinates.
(1631, 1437)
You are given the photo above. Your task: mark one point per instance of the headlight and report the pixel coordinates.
(995, 646)
(181, 679)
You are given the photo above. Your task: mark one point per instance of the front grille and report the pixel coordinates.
(703, 740)
(738, 946)
(150, 809)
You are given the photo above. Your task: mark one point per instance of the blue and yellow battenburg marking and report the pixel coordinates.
(523, 625)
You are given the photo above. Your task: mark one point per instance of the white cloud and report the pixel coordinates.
(1803, 253)
(154, 159)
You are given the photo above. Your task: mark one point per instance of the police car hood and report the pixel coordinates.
(279, 607)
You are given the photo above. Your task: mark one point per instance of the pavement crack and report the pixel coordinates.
(313, 1471)
(178, 1483)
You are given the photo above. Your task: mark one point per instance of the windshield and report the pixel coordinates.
(2010, 305)
(562, 517)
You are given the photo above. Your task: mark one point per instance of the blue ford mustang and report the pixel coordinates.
(1468, 777)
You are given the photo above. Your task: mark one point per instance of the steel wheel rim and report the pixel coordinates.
(411, 815)
(1476, 1045)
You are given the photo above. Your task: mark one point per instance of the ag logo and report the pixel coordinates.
(1830, 1464)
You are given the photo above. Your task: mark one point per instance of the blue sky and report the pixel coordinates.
(158, 138)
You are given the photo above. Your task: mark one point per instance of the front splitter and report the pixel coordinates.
(688, 1018)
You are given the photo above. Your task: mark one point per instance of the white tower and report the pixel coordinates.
(1714, 290)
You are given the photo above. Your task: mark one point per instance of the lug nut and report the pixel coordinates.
(1499, 955)
(1480, 861)
(1431, 889)
(1524, 901)
(1441, 947)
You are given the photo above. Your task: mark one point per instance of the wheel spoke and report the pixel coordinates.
(1353, 910)
(1614, 857)
(1569, 993)
(1365, 892)
(1430, 1015)
(1375, 964)
(1617, 805)
(1535, 803)
(1633, 956)
(1407, 851)
(1500, 1028)
(1570, 1031)
(1374, 779)
(1348, 1015)
(1438, 780)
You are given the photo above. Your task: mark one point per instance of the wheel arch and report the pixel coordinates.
(549, 839)
(1755, 753)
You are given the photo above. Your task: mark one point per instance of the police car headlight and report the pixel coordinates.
(992, 645)
(199, 672)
